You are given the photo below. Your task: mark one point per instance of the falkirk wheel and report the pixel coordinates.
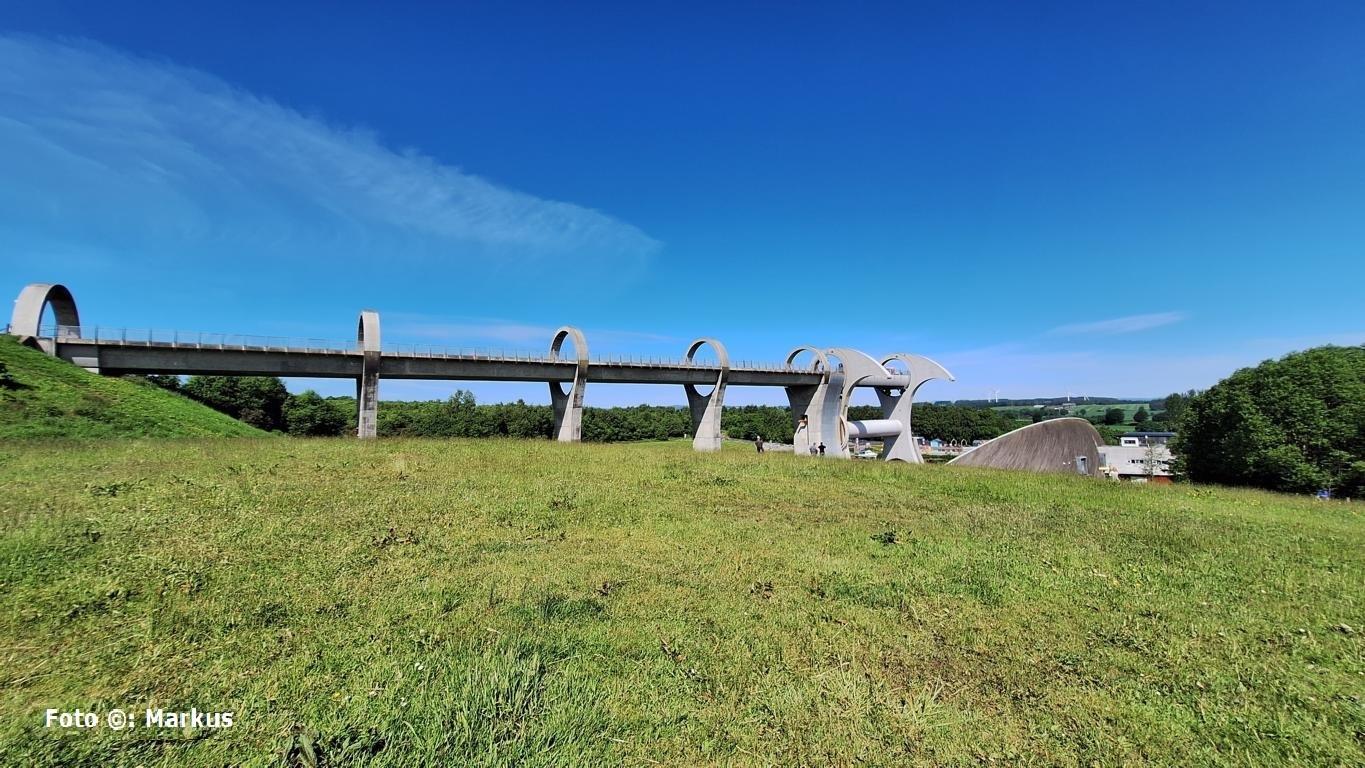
(820, 411)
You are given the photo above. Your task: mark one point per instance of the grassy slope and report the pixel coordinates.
(496, 603)
(57, 399)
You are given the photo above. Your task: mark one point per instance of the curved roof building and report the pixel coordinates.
(1056, 445)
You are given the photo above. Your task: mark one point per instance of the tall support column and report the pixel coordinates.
(902, 447)
(810, 404)
(706, 409)
(367, 386)
(568, 405)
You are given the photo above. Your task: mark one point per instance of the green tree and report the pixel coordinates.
(1173, 406)
(1141, 416)
(1294, 424)
(309, 415)
(256, 400)
(1113, 416)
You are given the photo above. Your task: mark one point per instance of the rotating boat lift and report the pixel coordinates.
(819, 397)
(820, 411)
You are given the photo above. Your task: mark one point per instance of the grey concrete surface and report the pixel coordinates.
(33, 299)
(367, 385)
(1048, 446)
(706, 409)
(568, 405)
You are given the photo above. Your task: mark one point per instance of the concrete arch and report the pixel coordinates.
(821, 361)
(706, 409)
(568, 406)
(367, 386)
(33, 299)
(813, 410)
(902, 446)
(920, 368)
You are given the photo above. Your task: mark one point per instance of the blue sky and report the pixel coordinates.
(1105, 198)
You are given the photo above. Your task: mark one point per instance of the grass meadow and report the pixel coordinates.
(493, 603)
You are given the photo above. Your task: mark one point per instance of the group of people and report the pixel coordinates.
(814, 449)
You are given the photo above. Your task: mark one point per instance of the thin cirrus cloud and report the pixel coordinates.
(115, 148)
(1118, 325)
(498, 331)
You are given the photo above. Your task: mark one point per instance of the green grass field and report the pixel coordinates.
(52, 398)
(423, 603)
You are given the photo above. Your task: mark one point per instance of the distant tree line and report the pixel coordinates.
(263, 402)
(461, 416)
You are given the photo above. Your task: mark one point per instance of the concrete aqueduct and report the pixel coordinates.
(819, 393)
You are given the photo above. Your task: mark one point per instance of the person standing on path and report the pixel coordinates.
(758, 443)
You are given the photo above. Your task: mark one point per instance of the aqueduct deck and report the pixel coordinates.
(819, 392)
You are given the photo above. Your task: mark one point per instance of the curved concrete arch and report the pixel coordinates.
(1067, 444)
(568, 406)
(821, 361)
(811, 407)
(706, 409)
(367, 386)
(921, 369)
(855, 368)
(33, 299)
(902, 447)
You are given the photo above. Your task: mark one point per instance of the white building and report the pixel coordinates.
(1137, 460)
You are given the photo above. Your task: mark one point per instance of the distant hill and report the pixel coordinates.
(1078, 400)
(41, 396)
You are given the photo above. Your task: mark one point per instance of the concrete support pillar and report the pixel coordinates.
(902, 447)
(367, 386)
(706, 409)
(810, 405)
(898, 447)
(568, 405)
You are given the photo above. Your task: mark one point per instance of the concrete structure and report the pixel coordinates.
(28, 314)
(821, 410)
(706, 409)
(1056, 445)
(568, 406)
(811, 407)
(819, 395)
(367, 385)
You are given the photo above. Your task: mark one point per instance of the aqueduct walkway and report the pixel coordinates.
(818, 390)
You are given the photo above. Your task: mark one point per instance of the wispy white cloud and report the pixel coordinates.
(1117, 325)
(148, 148)
(465, 331)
